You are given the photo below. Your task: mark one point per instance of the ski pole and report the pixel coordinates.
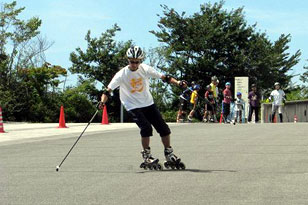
(58, 167)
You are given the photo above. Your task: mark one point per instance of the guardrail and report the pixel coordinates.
(291, 109)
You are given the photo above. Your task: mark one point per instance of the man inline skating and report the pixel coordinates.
(135, 95)
(184, 103)
(193, 101)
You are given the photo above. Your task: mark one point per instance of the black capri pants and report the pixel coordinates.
(146, 117)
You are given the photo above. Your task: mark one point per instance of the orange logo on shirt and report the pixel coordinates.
(136, 84)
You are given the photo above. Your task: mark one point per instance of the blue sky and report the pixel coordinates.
(67, 21)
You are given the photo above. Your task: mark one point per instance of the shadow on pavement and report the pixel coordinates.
(149, 171)
(186, 170)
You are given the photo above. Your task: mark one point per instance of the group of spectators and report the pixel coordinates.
(191, 98)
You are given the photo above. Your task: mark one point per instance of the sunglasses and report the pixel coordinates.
(134, 62)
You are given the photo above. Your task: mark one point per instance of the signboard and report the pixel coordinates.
(241, 84)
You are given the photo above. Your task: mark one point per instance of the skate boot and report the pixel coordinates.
(215, 119)
(149, 161)
(172, 161)
(180, 121)
(189, 118)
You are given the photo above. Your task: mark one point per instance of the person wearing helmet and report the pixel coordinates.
(192, 84)
(134, 83)
(239, 107)
(254, 103)
(184, 102)
(209, 109)
(226, 102)
(278, 97)
(214, 89)
(193, 101)
(217, 90)
(213, 85)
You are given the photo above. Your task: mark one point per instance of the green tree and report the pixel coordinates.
(304, 79)
(159, 90)
(101, 60)
(296, 93)
(218, 42)
(15, 32)
(34, 97)
(24, 93)
(304, 76)
(78, 102)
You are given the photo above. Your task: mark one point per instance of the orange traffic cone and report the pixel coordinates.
(295, 118)
(62, 118)
(105, 116)
(221, 116)
(1, 122)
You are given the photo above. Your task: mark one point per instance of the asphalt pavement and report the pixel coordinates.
(226, 164)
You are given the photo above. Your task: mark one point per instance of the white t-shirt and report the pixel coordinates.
(277, 96)
(135, 86)
(239, 104)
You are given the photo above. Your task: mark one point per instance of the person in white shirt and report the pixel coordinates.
(134, 83)
(278, 97)
(239, 107)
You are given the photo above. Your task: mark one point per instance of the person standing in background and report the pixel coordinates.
(254, 103)
(214, 90)
(226, 102)
(209, 108)
(278, 96)
(239, 107)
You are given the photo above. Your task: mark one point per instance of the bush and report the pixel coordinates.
(170, 116)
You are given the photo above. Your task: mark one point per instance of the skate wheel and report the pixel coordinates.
(182, 166)
(151, 167)
(172, 167)
(155, 167)
(142, 165)
(166, 164)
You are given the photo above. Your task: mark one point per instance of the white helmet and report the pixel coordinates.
(135, 52)
(214, 78)
(276, 84)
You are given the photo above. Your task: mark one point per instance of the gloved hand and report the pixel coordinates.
(183, 83)
(100, 105)
(283, 100)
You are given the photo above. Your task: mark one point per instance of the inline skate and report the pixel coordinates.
(149, 161)
(172, 161)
